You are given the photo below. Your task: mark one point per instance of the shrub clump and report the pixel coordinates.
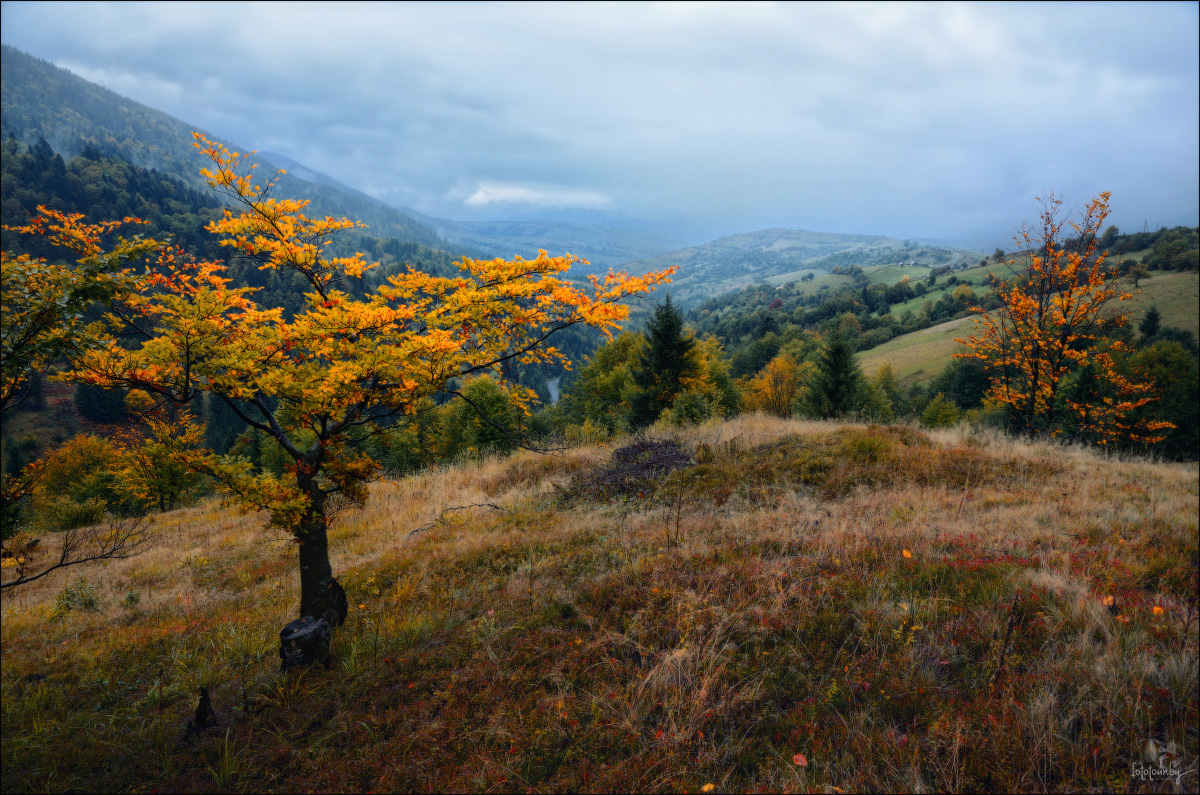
(632, 471)
(77, 595)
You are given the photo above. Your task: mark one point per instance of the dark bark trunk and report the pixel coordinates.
(315, 571)
(321, 596)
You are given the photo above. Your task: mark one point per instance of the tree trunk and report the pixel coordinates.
(321, 596)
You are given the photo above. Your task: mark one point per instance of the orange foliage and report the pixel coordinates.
(1052, 322)
(775, 388)
(321, 379)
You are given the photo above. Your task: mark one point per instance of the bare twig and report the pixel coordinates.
(1012, 623)
(442, 516)
(115, 539)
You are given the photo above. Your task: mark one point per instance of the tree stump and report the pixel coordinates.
(304, 642)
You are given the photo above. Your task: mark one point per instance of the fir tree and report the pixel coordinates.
(222, 426)
(100, 405)
(662, 364)
(1151, 323)
(836, 386)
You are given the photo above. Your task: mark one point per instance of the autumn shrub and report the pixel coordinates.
(940, 413)
(585, 433)
(80, 483)
(779, 387)
(76, 595)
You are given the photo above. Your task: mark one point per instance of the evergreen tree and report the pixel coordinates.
(99, 404)
(1176, 374)
(14, 460)
(835, 387)
(662, 363)
(965, 381)
(1150, 323)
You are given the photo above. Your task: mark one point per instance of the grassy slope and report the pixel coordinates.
(1177, 296)
(921, 355)
(844, 594)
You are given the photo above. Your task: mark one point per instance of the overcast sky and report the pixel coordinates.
(910, 120)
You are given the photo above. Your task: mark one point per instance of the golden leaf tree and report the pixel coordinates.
(1055, 319)
(43, 318)
(777, 387)
(342, 367)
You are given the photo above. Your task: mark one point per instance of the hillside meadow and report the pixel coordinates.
(920, 355)
(801, 606)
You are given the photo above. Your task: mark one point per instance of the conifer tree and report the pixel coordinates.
(662, 364)
(835, 388)
(99, 404)
(1151, 323)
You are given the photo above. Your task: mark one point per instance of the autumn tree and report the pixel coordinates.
(42, 319)
(1055, 317)
(777, 387)
(341, 368)
(604, 391)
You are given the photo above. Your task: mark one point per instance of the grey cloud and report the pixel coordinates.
(907, 119)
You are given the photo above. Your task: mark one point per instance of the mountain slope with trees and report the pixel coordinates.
(41, 100)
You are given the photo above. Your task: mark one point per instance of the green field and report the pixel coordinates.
(921, 355)
(973, 276)
(918, 356)
(1177, 296)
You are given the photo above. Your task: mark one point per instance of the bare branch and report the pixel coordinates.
(442, 516)
(116, 539)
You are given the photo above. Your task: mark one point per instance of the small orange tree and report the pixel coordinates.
(777, 386)
(1053, 320)
(340, 368)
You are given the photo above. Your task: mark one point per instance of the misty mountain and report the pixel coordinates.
(603, 247)
(40, 100)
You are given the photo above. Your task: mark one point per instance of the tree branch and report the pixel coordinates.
(126, 537)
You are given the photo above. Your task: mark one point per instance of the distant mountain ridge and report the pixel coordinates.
(780, 255)
(603, 247)
(41, 100)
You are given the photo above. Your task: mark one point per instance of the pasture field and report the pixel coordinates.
(919, 355)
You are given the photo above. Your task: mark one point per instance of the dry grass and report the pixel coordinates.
(758, 604)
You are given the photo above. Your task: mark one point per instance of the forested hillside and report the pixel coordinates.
(41, 100)
(108, 187)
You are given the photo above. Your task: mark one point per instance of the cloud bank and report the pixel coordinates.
(910, 120)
